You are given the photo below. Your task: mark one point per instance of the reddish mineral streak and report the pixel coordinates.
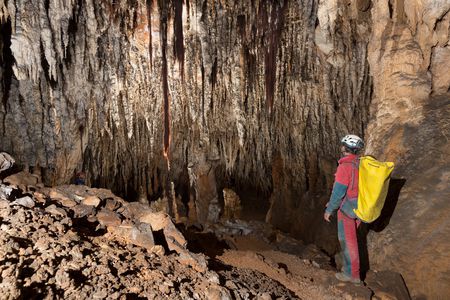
(272, 29)
(165, 85)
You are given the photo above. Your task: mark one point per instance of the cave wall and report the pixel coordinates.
(409, 55)
(134, 94)
(256, 92)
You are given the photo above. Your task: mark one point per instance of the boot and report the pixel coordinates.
(343, 277)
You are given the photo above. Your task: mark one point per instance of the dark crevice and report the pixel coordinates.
(207, 243)
(213, 81)
(46, 68)
(178, 45)
(85, 228)
(391, 9)
(78, 277)
(6, 60)
(134, 296)
(202, 69)
(165, 86)
(160, 239)
(71, 31)
(149, 4)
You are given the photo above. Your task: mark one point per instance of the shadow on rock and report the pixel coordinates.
(395, 186)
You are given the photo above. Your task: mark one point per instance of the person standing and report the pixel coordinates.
(344, 198)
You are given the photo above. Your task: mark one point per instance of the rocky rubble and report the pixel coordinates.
(74, 242)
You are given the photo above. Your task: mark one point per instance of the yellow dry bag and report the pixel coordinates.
(372, 187)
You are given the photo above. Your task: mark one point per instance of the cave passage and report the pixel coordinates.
(222, 119)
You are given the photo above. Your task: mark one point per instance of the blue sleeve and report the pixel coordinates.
(337, 194)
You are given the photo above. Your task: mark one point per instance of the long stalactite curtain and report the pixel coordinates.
(112, 86)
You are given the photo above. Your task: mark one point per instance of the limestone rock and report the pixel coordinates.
(82, 210)
(232, 205)
(62, 198)
(218, 293)
(108, 218)
(91, 200)
(40, 197)
(387, 285)
(5, 191)
(196, 261)
(56, 210)
(408, 53)
(140, 234)
(160, 205)
(256, 92)
(23, 180)
(112, 204)
(161, 221)
(6, 161)
(26, 201)
(134, 210)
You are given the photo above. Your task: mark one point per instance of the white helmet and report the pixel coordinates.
(353, 142)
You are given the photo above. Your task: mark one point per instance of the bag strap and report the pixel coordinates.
(355, 166)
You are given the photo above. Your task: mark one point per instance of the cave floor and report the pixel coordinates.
(47, 253)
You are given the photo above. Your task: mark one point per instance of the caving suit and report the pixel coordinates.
(344, 198)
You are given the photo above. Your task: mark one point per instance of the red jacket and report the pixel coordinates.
(348, 168)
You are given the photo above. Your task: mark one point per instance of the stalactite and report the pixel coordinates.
(165, 88)
(123, 86)
(6, 60)
(178, 46)
(273, 28)
(149, 6)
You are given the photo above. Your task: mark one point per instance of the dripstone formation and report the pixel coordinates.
(181, 99)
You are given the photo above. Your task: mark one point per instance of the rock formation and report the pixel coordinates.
(75, 242)
(408, 52)
(47, 252)
(125, 91)
(188, 97)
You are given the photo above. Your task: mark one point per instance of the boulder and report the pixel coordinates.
(108, 218)
(112, 204)
(5, 191)
(160, 205)
(23, 180)
(26, 201)
(387, 285)
(62, 198)
(39, 197)
(52, 209)
(91, 200)
(162, 221)
(6, 161)
(134, 210)
(139, 234)
(196, 260)
(217, 292)
(82, 210)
